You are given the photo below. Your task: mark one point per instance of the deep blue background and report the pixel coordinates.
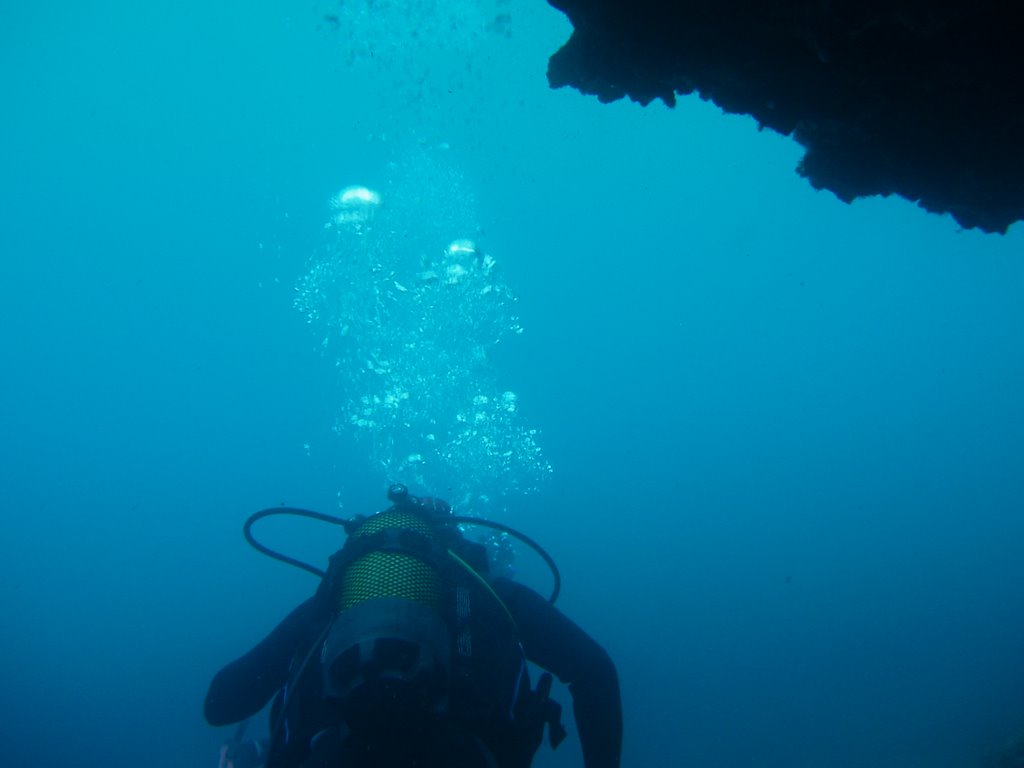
(787, 432)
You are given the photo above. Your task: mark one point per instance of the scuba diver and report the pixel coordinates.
(411, 654)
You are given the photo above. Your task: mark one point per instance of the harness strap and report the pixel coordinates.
(390, 540)
(549, 711)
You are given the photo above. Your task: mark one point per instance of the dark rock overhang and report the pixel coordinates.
(920, 99)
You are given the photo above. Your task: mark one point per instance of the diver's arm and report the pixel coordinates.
(245, 685)
(554, 642)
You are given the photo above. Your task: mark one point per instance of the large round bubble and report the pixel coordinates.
(354, 207)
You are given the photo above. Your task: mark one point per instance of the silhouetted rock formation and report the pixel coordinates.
(921, 99)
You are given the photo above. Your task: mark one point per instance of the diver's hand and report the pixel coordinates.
(244, 754)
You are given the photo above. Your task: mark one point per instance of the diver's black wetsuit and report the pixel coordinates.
(549, 638)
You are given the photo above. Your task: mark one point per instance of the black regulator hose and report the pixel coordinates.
(247, 532)
(350, 525)
(557, 588)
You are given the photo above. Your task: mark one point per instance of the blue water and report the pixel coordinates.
(786, 432)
